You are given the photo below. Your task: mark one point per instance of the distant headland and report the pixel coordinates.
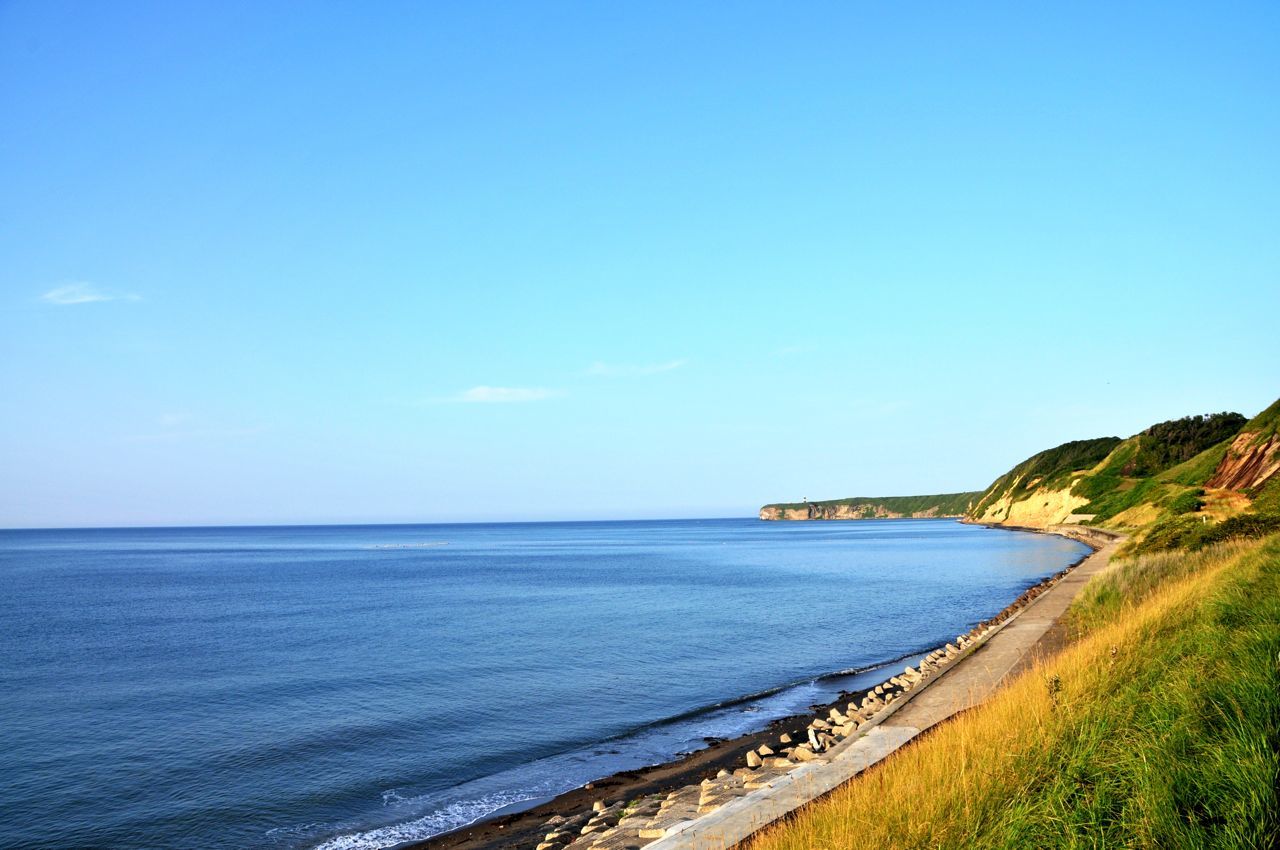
(878, 507)
(1177, 484)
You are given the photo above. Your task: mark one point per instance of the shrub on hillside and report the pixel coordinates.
(1187, 532)
(1187, 503)
(1242, 527)
(1171, 443)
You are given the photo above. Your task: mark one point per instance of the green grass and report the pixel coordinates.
(1133, 580)
(1151, 467)
(1187, 502)
(1109, 475)
(1183, 751)
(1130, 492)
(953, 504)
(1266, 500)
(1050, 469)
(1199, 469)
(1167, 444)
(1127, 493)
(1158, 728)
(1266, 423)
(1191, 533)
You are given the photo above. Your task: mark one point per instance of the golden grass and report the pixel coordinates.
(1059, 756)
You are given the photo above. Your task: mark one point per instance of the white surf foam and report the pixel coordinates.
(454, 816)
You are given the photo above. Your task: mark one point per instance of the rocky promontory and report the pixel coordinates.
(881, 507)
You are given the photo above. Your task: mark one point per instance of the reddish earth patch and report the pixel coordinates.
(1249, 462)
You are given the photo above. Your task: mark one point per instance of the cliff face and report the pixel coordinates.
(1196, 468)
(1253, 458)
(1040, 509)
(818, 511)
(1040, 491)
(1249, 463)
(884, 507)
(1212, 464)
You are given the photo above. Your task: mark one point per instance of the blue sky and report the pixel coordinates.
(271, 262)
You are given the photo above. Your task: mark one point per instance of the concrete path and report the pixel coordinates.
(962, 685)
(975, 678)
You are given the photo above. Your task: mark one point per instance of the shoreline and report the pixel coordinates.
(518, 823)
(523, 825)
(963, 682)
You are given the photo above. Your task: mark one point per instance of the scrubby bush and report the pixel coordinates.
(1186, 532)
(1242, 527)
(1171, 443)
(1187, 503)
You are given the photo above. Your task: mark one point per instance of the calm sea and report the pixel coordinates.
(356, 687)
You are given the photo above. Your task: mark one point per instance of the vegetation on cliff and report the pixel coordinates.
(1253, 457)
(1185, 483)
(1048, 470)
(1158, 727)
(1159, 724)
(1170, 443)
(868, 507)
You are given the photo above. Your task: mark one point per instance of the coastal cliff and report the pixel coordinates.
(1196, 469)
(1193, 477)
(867, 507)
(1252, 461)
(1038, 492)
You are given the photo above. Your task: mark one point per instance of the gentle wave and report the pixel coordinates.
(455, 816)
(763, 707)
(274, 681)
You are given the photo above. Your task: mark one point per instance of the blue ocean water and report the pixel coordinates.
(357, 687)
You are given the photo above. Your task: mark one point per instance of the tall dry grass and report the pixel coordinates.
(1158, 728)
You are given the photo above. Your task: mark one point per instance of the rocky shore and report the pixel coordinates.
(631, 810)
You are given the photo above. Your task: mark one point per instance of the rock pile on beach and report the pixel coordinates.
(630, 825)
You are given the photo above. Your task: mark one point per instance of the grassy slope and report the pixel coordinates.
(1050, 469)
(1175, 491)
(1197, 470)
(1158, 728)
(1159, 466)
(946, 503)
(1266, 423)
(1160, 471)
(1267, 499)
(1164, 468)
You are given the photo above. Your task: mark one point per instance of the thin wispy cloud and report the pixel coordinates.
(625, 370)
(505, 395)
(789, 350)
(83, 293)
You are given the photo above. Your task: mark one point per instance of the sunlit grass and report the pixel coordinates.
(1158, 728)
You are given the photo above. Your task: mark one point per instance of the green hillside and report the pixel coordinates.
(1174, 483)
(1267, 423)
(1050, 469)
(1155, 484)
(1131, 474)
